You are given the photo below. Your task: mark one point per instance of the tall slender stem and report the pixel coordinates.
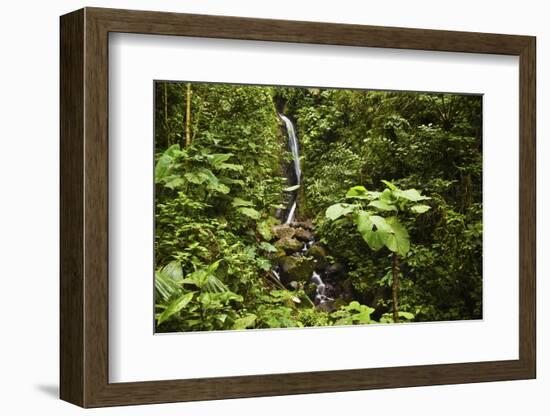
(166, 112)
(188, 116)
(395, 287)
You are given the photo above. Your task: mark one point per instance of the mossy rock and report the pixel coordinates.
(327, 306)
(298, 269)
(338, 302)
(307, 224)
(303, 235)
(317, 251)
(289, 245)
(278, 254)
(336, 271)
(283, 231)
(286, 263)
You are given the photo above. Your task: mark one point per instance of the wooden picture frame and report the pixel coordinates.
(84, 207)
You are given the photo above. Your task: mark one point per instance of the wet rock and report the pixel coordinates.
(307, 224)
(310, 290)
(303, 235)
(335, 271)
(287, 263)
(283, 231)
(326, 306)
(279, 253)
(317, 251)
(297, 269)
(339, 302)
(335, 268)
(289, 245)
(346, 291)
(302, 271)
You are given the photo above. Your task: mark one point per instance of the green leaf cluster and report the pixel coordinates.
(379, 231)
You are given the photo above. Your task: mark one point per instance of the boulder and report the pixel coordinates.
(302, 271)
(336, 271)
(318, 252)
(307, 224)
(339, 302)
(335, 268)
(327, 306)
(289, 245)
(277, 254)
(286, 263)
(298, 269)
(283, 231)
(303, 235)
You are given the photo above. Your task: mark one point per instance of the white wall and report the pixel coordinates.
(29, 219)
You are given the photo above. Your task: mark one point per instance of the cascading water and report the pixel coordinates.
(320, 293)
(293, 147)
(320, 296)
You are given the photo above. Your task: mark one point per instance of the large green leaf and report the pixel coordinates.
(168, 280)
(407, 315)
(375, 239)
(270, 248)
(411, 195)
(359, 192)
(380, 223)
(291, 188)
(420, 209)
(245, 322)
(398, 238)
(173, 270)
(364, 223)
(204, 175)
(387, 196)
(175, 306)
(165, 287)
(383, 206)
(249, 212)
(205, 279)
(339, 210)
(389, 185)
(230, 166)
(162, 168)
(174, 182)
(232, 181)
(216, 158)
(238, 202)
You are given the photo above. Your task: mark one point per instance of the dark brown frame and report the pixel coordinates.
(84, 208)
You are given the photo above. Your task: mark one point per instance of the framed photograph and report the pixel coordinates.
(255, 207)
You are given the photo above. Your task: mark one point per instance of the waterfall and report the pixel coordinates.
(320, 296)
(321, 288)
(293, 147)
(291, 212)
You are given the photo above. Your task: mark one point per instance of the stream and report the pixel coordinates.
(302, 231)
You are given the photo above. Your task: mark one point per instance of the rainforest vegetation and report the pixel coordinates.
(291, 207)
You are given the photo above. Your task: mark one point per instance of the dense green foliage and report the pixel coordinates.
(220, 157)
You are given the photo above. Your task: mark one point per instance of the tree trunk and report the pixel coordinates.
(395, 287)
(188, 116)
(166, 113)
